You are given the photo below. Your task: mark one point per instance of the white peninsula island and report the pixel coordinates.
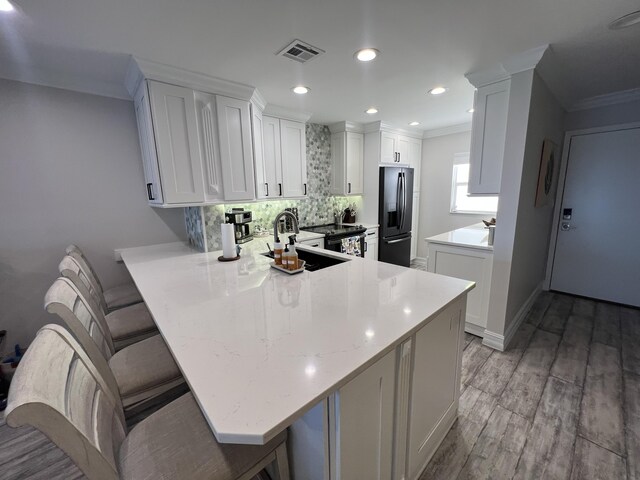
(360, 360)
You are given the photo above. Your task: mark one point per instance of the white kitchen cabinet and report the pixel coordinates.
(284, 171)
(147, 145)
(176, 134)
(294, 158)
(347, 163)
(388, 147)
(474, 264)
(371, 240)
(257, 129)
(435, 386)
(269, 177)
(488, 135)
(209, 147)
(415, 161)
(415, 223)
(236, 154)
(364, 410)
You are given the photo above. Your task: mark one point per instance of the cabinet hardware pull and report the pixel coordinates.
(398, 157)
(349, 191)
(267, 185)
(280, 187)
(365, 247)
(305, 188)
(150, 191)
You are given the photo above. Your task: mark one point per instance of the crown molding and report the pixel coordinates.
(514, 64)
(381, 126)
(449, 130)
(346, 126)
(140, 69)
(615, 98)
(286, 113)
(258, 100)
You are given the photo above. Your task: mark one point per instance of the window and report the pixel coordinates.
(461, 202)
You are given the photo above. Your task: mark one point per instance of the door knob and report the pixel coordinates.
(566, 226)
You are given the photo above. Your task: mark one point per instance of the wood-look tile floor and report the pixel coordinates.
(563, 402)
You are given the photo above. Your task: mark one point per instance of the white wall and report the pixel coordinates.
(522, 232)
(435, 193)
(70, 171)
(602, 116)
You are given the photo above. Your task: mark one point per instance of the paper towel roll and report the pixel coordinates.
(228, 241)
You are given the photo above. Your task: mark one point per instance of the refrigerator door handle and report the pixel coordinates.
(398, 201)
(389, 242)
(403, 200)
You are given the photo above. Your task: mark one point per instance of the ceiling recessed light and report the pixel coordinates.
(300, 89)
(371, 111)
(5, 6)
(625, 21)
(413, 124)
(367, 54)
(437, 90)
(471, 110)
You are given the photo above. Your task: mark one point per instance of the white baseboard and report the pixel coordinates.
(500, 342)
(419, 261)
(473, 329)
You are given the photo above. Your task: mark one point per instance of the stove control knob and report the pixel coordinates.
(331, 232)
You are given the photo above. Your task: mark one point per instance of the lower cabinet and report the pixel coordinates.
(435, 387)
(468, 264)
(387, 422)
(371, 242)
(363, 417)
(318, 242)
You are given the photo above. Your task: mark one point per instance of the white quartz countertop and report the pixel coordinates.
(474, 236)
(259, 347)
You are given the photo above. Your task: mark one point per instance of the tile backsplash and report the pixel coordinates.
(316, 209)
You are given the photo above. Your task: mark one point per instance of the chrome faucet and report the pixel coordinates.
(294, 221)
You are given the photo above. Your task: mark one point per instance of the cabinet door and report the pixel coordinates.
(372, 249)
(434, 388)
(174, 119)
(364, 429)
(488, 134)
(208, 135)
(263, 189)
(355, 163)
(415, 222)
(403, 150)
(415, 161)
(388, 147)
(147, 145)
(236, 154)
(294, 158)
(338, 161)
(318, 243)
(272, 156)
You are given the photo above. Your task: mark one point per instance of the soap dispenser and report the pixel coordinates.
(277, 252)
(293, 255)
(286, 256)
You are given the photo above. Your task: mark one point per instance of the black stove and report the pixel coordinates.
(333, 230)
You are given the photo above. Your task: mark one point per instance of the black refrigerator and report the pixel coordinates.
(394, 215)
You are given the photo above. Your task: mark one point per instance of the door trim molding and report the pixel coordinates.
(562, 176)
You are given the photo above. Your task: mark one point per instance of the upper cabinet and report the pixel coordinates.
(282, 171)
(488, 134)
(195, 136)
(347, 160)
(236, 153)
(147, 145)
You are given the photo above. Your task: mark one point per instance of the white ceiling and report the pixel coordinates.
(85, 44)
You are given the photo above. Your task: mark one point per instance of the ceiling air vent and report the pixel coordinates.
(300, 51)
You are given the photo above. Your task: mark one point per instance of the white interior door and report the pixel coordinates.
(597, 243)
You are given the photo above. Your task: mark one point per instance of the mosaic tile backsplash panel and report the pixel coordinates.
(316, 209)
(195, 228)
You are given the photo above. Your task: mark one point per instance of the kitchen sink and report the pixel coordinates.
(314, 261)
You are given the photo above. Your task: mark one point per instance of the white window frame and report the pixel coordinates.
(462, 159)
